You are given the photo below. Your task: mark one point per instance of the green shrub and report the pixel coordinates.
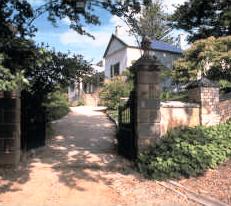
(77, 103)
(113, 90)
(10, 81)
(170, 96)
(187, 152)
(56, 105)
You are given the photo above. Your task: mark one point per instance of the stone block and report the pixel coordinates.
(148, 91)
(148, 104)
(10, 117)
(148, 77)
(149, 130)
(148, 116)
(1, 116)
(10, 158)
(8, 130)
(148, 134)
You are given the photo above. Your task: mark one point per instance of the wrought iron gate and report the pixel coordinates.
(127, 144)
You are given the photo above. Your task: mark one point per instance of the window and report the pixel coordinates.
(115, 70)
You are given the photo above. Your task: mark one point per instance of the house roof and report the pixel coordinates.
(130, 41)
(112, 38)
(163, 46)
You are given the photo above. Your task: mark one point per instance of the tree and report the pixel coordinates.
(51, 70)
(154, 22)
(44, 68)
(14, 19)
(204, 18)
(209, 57)
(9, 81)
(17, 16)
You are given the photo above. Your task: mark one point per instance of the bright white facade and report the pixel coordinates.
(124, 54)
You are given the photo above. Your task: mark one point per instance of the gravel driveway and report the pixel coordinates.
(79, 167)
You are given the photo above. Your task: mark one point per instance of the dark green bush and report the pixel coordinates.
(187, 152)
(170, 96)
(56, 105)
(113, 90)
(10, 81)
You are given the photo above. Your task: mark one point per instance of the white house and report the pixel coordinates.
(122, 52)
(85, 91)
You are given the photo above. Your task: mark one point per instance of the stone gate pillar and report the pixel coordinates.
(10, 148)
(147, 101)
(206, 93)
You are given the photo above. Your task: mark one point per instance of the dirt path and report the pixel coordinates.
(79, 167)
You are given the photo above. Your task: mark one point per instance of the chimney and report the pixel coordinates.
(117, 30)
(180, 40)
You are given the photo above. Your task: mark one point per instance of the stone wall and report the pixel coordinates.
(205, 108)
(208, 98)
(177, 114)
(225, 109)
(210, 106)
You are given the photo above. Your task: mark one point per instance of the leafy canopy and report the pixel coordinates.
(204, 18)
(44, 68)
(17, 16)
(208, 57)
(9, 81)
(154, 22)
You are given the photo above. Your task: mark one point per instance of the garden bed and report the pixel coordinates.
(187, 152)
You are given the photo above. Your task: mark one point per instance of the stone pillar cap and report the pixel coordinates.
(147, 63)
(203, 82)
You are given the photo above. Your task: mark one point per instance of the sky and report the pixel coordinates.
(63, 39)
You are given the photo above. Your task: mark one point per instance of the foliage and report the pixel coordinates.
(54, 69)
(187, 152)
(56, 105)
(9, 81)
(76, 103)
(14, 19)
(171, 96)
(94, 78)
(17, 16)
(154, 22)
(44, 68)
(113, 90)
(209, 57)
(203, 19)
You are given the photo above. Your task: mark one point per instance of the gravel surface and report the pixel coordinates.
(79, 167)
(215, 183)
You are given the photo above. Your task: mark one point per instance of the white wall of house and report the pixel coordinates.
(126, 56)
(115, 46)
(133, 54)
(117, 57)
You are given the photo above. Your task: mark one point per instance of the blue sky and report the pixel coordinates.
(64, 39)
